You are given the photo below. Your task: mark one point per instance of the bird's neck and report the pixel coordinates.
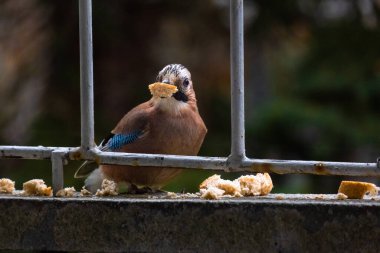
(173, 106)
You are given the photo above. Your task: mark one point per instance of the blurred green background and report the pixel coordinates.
(312, 71)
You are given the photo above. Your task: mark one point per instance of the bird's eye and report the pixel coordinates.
(186, 82)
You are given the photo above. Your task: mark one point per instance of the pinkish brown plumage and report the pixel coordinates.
(159, 126)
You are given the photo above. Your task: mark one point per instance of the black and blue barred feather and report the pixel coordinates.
(112, 142)
(117, 141)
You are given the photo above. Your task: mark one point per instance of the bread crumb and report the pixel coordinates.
(85, 192)
(7, 185)
(210, 181)
(266, 183)
(251, 185)
(172, 195)
(211, 193)
(341, 196)
(280, 197)
(248, 185)
(191, 195)
(162, 90)
(36, 187)
(229, 187)
(319, 196)
(357, 190)
(109, 188)
(66, 192)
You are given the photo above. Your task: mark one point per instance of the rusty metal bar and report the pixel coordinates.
(248, 165)
(196, 162)
(26, 152)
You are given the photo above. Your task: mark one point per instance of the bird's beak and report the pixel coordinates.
(179, 95)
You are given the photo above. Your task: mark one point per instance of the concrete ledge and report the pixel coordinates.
(298, 223)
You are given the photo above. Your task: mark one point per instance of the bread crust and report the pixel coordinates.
(357, 190)
(162, 90)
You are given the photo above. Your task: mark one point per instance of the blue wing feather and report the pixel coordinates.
(117, 141)
(112, 142)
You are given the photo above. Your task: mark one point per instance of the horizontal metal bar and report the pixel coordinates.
(27, 152)
(248, 165)
(312, 167)
(194, 162)
(197, 162)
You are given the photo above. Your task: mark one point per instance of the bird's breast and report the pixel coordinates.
(180, 134)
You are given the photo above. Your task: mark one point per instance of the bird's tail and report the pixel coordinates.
(94, 180)
(85, 169)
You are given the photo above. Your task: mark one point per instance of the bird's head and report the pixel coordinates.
(178, 75)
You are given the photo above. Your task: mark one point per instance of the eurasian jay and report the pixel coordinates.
(159, 126)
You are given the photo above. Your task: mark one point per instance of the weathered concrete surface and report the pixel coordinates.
(293, 224)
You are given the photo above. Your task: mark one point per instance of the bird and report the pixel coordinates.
(170, 125)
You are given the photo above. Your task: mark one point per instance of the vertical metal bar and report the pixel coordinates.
(237, 81)
(57, 169)
(86, 75)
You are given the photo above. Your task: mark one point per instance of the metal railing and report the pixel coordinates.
(237, 161)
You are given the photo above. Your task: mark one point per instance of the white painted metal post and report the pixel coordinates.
(86, 75)
(237, 82)
(57, 160)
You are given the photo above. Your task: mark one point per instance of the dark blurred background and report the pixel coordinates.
(312, 71)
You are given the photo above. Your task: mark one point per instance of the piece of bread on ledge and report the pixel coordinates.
(215, 187)
(66, 192)
(109, 188)
(251, 185)
(36, 187)
(357, 190)
(7, 185)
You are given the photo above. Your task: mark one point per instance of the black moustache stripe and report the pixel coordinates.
(180, 96)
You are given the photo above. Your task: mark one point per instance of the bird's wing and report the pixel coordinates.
(130, 128)
(113, 142)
